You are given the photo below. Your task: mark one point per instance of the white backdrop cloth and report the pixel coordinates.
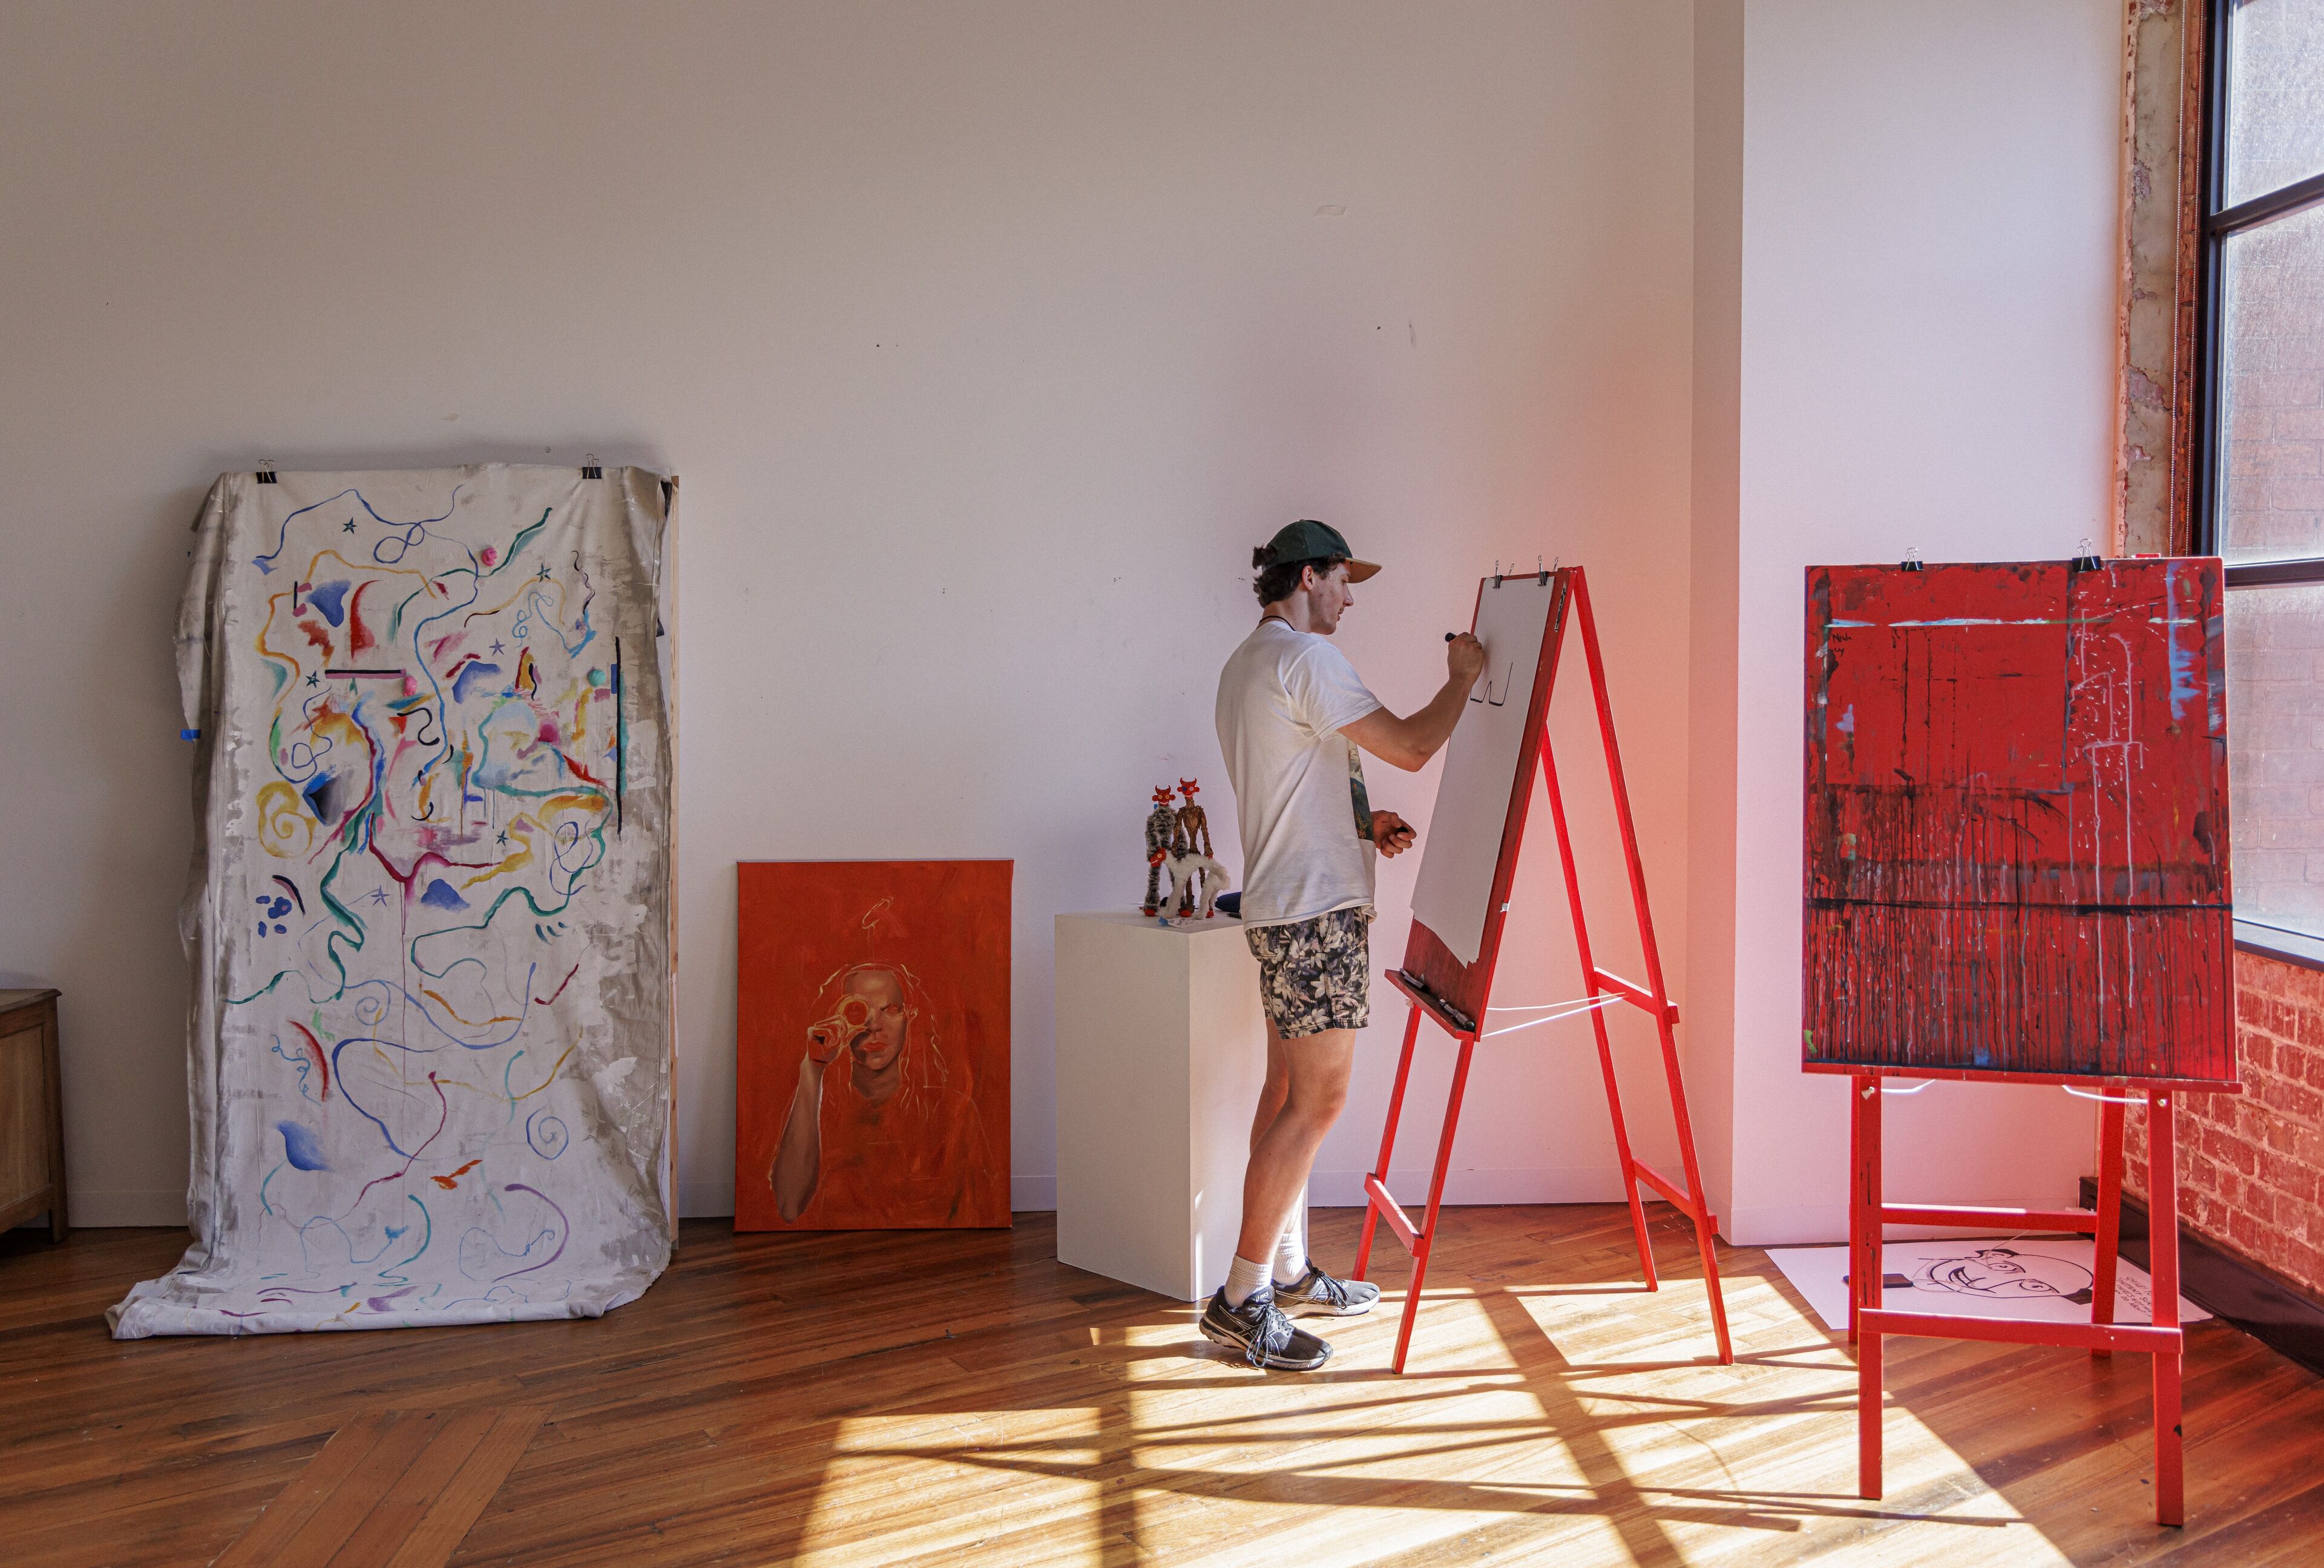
(429, 1043)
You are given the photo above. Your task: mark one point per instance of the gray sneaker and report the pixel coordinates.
(1265, 1337)
(1318, 1292)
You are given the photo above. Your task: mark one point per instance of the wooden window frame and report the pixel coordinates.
(2213, 223)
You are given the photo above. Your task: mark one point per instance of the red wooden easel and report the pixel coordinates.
(1869, 1322)
(2015, 871)
(1454, 994)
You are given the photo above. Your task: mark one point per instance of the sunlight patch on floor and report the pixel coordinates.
(1531, 1417)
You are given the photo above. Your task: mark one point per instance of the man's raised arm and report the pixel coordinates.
(1408, 743)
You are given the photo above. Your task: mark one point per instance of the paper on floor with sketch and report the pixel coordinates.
(2045, 1279)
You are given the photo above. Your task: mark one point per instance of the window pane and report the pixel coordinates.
(2276, 755)
(2272, 387)
(2275, 95)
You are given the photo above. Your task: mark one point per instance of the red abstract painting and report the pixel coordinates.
(2017, 821)
(872, 1045)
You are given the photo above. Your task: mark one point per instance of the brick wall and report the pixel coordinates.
(2250, 1163)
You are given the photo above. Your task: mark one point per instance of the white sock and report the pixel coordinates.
(1243, 1280)
(1291, 1247)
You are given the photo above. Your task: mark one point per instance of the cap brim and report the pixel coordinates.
(1358, 571)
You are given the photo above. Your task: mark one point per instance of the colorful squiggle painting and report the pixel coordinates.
(431, 1040)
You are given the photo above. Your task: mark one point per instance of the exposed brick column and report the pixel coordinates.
(2250, 1164)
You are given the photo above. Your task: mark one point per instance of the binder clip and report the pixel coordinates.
(590, 469)
(1912, 562)
(2087, 558)
(266, 472)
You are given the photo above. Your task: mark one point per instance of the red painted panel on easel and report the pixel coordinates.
(2016, 820)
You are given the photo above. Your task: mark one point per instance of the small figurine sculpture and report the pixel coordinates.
(1161, 826)
(1187, 869)
(1191, 835)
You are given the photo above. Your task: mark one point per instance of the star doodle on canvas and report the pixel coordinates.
(379, 895)
(501, 837)
(313, 678)
(349, 526)
(543, 576)
(496, 645)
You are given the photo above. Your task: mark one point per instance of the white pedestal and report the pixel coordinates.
(1161, 1053)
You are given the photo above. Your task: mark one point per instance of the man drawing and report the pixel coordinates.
(1291, 716)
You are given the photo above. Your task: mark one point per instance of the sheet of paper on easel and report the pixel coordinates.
(1463, 844)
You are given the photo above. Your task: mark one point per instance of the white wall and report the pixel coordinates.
(1926, 292)
(1714, 542)
(988, 339)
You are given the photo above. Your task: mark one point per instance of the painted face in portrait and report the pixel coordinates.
(888, 1016)
(873, 1018)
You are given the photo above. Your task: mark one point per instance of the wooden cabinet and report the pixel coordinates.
(31, 1111)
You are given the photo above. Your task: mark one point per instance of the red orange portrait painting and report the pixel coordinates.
(872, 1045)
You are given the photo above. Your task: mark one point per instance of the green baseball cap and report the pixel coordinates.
(1309, 541)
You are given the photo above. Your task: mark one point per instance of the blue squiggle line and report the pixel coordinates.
(265, 563)
(306, 1068)
(545, 1133)
(427, 1235)
(393, 1235)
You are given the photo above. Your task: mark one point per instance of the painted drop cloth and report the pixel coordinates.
(430, 1045)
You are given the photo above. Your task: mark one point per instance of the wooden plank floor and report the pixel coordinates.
(954, 1397)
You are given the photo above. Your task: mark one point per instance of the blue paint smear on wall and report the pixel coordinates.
(440, 896)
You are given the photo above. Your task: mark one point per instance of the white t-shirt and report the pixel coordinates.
(1299, 783)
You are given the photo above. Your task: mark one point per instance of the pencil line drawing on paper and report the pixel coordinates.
(1998, 1273)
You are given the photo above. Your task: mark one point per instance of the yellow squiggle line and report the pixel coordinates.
(545, 1082)
(472, 1023)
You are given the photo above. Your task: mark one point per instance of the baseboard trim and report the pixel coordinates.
(2281, 1314)
(1326, 1189)
(1344, 1189)
(126, 1210)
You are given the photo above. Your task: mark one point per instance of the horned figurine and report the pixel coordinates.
(1191, 836)
(1161, 826)
(1194, 825)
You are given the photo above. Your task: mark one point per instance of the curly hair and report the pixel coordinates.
(1277, 579)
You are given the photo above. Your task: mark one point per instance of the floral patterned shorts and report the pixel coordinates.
(1316, 974)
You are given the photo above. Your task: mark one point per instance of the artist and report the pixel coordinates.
(899, 1144)
(1291, 715)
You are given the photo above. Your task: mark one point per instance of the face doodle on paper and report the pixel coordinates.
(2001, 1273)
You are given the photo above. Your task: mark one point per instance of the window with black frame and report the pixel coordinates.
(2262, 445)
